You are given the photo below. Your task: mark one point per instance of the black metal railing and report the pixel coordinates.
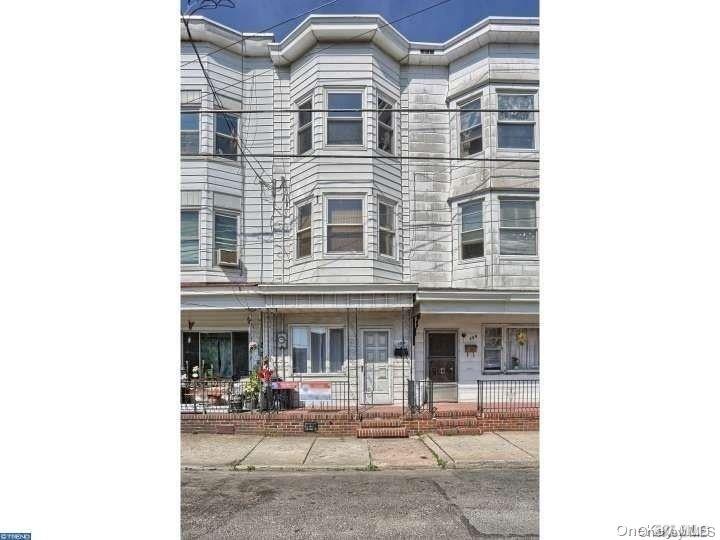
(420, 395)
(514, 397)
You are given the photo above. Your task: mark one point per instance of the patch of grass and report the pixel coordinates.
(440, 461)
(371, 467)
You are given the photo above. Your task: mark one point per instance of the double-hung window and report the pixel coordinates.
(345, 227)
(304, 128)
(472, 236)
(189, 125)
(386, 229)
(470, 129)
(189, 237)
(226, 132)
(518, 227)
(386, 132)
(317, 349)
(226, 233)
(303, 245)
(344, 127)
(516, 124)
(492, 350)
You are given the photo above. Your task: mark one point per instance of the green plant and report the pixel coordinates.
(253, 385)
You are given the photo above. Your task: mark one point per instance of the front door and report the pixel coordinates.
(442, 363)
(377, 370)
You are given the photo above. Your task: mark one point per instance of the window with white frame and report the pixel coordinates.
(386, 132)
(189, 237)
(303, 234)
(190, 122)
(510, 349)
(516, 124)
(225, 232)
(345, 229)
(304, 127)
(472, 235)
(226, 132)
(386, 229)
(344, 127)
(317, 349)
(518, 227)
(470, 129)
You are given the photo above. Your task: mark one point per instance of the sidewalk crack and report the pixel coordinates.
(239, 461)
(308, 452)
(515, 445)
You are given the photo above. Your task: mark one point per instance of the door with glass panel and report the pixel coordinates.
(442, 364)
(377, 369)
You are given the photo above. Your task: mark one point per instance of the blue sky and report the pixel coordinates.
(437, 24)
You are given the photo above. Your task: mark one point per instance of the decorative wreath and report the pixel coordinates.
(521, 337)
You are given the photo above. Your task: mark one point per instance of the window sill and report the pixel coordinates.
(518, 150)
(514, 372)
(388, 259)
(508, 257)
(386, 153)
(473, 260)
(344, 147)
(345, 255)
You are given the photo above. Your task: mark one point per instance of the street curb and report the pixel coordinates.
(310, 468)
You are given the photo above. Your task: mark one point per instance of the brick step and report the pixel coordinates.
(456, 422)
(381, 422)
(459, 431)
(457, 413)
(381, 432)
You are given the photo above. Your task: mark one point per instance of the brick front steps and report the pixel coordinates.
(381, 432)
(344, 423)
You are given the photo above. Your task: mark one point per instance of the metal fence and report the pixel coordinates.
(516, 397)
(420, 395)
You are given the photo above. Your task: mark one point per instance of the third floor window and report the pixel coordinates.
(516, 125)
(344, 127)
(304, 129)
(226, 132)
(470, 129)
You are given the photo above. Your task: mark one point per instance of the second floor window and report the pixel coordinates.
(190, 130)
(518, 227)
(472, 236)
(516, 126)
(304, 129)
(226, 233)
(386, 132)
(226, 132)
(344, 127)
(470, 129)
(189, 237)
(386, 228)
(303, 247)
(345, 226)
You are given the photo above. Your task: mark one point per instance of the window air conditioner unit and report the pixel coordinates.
(227, 257)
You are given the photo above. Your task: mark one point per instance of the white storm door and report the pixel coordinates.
(377, 368)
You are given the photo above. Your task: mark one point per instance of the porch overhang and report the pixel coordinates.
(473, 302)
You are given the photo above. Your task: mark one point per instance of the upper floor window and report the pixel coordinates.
(472, 236)
(189, 237)
(190, 122)
(470, 129)
(386, 132)
(304, 231)
(345, 227)
(317, 349)
(226, 239)
(343, 126)
(516, 126)
(226, 132)
(518, 227)
(304, 129)
(386, 229)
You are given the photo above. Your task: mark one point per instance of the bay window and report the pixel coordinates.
(189, 237)
(518, 227)
(386, 229)
(516, 126)
(317, 349)
(470, 129)
(303, 245)
(472, 236)
(226, 132)
(304, 128)
(226, 233)
(386, 132)
(344, 127)
(345, 227)
(190, 122)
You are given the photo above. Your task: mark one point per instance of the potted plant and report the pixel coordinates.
(252, 390)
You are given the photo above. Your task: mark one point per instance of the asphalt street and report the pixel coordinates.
(492, 502)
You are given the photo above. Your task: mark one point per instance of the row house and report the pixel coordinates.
(361, 208)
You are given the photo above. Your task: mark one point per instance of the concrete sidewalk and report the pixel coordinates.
(249, 452)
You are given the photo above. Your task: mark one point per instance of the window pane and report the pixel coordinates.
(516, 135)
(517, 213)
(188, 121)
(226, 124)
(344, 132)
(225, 146)
(317, 350)
(385, 116)
(304, 140)
(189, 238)
(304, 116)
(189, 142)
(336, 349)
(345, 239)
(387, 216)
(345, 211)
(468, 148)
(387, 243)
(469, 119)
(225, 232)
(216, 355)
(441, 345)
(385, 139)
(513, 101)
(513, 242)
(345, 101)
(304, 243)
(304, 216)
(300, 344)
(524, 348)
(472, 250)
(492, 359)
(191, 352)
(492, 353)
(472, 216)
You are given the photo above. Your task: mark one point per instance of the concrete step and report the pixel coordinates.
(382, 432)
(381, 422)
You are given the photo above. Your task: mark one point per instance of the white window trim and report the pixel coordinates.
(467, 100)
(345, 254)
(345, 90)
(460, 231)
(394, 204)
(202, 120)
(188, 266)
(327, 328)
(298, 128)
(393, 128)
(233, 104)
(522, 91)
(299, 205)
(505, 350)
(517, 256)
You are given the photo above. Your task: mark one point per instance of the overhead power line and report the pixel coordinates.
(365, 156)
(401, 110)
